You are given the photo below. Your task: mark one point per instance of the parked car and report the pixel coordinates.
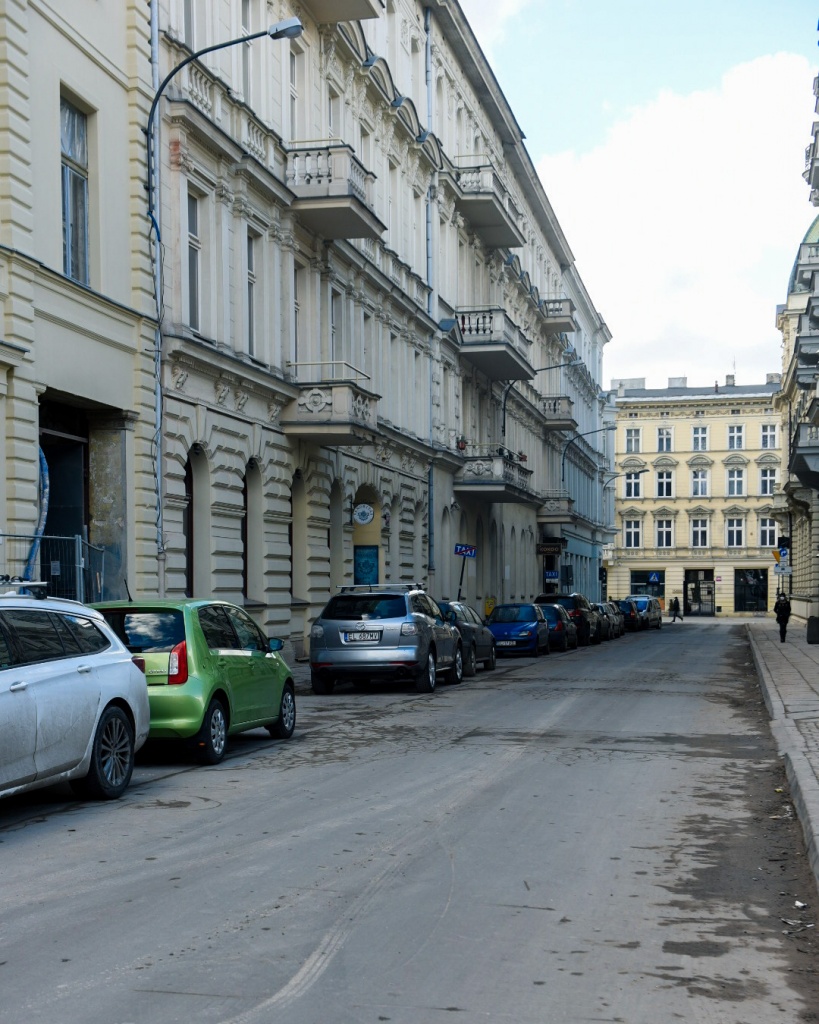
(607, 625)
(519, 629)
(619, 618)
(649, 609)
(384, 632)
(580, 612)
(73, 702)
(562, 631)
(632, 620)
(477, 641)
(211, 671)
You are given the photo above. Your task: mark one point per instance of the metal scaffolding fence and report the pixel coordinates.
(69, 566)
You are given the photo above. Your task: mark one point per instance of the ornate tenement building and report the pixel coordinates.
(697, 469)
(349, 336)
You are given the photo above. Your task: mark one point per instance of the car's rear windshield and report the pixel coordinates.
(147, 630)
(641, 602)
(550, 611)
(366, 606)
(513, 613)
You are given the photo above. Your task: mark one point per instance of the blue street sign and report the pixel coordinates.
(466, 550)
(783, 552)
(653, 577)
(551, 574)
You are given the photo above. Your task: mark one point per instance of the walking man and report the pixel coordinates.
(782, 610)
(675, 609)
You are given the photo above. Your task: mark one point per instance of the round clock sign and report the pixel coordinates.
(363, 514)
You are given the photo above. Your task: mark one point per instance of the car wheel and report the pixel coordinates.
(491, 661)
(425, 680)
(212, 738)
(282, 728)
(112, 758)
(660, 624)
(584, 637)
(456, 673)
(321, 684)
(470, 661)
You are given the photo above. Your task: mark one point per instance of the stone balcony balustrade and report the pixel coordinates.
(333, 406)
(494, 344)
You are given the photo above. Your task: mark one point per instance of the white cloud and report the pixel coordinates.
(489, 18)
(686, 221)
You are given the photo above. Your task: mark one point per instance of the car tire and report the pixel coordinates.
(456, 673)
(471, 661)
(112, 758)
(282, 728)
(425, 679)
(321, 684)
(211, 740)
(491, 661)
(660, 624)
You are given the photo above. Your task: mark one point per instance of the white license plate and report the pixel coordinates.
(368, 635)
(506, 643)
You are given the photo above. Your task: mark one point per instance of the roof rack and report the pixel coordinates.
(367, 588)
(37, 587)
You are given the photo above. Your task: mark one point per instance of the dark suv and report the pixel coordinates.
(582, 614)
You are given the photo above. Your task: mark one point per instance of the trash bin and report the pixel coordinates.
(813, 629)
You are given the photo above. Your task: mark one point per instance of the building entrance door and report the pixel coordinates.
(699, 592)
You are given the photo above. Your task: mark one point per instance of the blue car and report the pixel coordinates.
(519, 629)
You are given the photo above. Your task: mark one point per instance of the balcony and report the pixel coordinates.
(556, 508)
(558, 413)
(334, 191)
(494, 477)
(805, 458)
(558, 315)
(330, 12)
(333, 407)
(495, 345)
(486, 203)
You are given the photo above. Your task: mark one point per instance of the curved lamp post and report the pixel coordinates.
(555, 366)
(573, 440)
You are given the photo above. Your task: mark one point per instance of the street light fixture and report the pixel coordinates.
(573, 440)
(574, 361)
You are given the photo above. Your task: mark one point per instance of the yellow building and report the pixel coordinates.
(697, 468)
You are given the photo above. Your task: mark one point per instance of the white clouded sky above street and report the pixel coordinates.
(670, 139)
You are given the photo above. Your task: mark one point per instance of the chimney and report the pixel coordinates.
(730, 380)
(678, 382)
(773, 378)
(716, 387)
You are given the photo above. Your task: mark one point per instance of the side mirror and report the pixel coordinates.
(275, 643)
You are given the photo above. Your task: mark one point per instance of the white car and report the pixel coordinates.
(73, 701)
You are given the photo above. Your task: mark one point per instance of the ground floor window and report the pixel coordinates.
(750, 590)
(648, 581)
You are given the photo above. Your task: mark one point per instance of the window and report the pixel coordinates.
(632, 529)
(296, 91)
(663, 533)
(333, 115)
(736, 482)
(750, 590)
(664, 439)
(251, 296)
(700, 439)
(74, 163)
(664, 484)
(767, 481)
(298, 277)
(336, 340)
(699, 533)
(187, 529)
(735, 438)
(37, 636)
(699, 483)
(188, 24)
(767, 533)
(246, 48)
(632, 440)
(769, 435)
(216, 628)
(633, 485)
(735, 533)
(194, 249)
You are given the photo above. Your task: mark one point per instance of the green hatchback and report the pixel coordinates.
(211, 671)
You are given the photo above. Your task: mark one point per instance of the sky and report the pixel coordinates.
(670, 139)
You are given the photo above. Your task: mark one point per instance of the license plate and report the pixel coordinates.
(506, 643)
(363, 636)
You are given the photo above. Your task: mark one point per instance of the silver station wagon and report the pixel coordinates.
(383, 632)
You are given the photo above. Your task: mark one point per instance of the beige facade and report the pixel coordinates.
(697, 471)
(366, 305)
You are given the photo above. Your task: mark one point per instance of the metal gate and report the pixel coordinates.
(69, 566)
(699, 596)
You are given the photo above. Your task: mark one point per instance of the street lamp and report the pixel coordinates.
(555, 366)
(571, 441)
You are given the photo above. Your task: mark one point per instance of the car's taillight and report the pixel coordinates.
(178, 664)
(139, 662)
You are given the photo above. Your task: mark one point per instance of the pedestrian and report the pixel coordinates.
(675, 609)
(782, 611)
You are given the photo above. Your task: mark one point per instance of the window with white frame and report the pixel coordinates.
(296, 90)
(188, 24)
(74, 170)
(767, 533)
(769, 435)
(664, 484)
(699, 533)
(699, 483)
(333, 113)
(633, 485)
(736, 437)
(336, 339)
(632, 533)
(736, 482)
(663, 533)
(664, 439)
(699, 440)
(252, 245)
(246, 52)
(298, 278)
(194, 252)
(632, 440)
(767, 481)
(735, 532)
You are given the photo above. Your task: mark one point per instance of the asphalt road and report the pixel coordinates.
(599, 836)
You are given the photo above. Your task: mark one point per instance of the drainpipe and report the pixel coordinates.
(430, 275)
(156, 259)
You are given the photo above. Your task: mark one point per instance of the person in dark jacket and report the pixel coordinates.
(675, 609)
(782, 611)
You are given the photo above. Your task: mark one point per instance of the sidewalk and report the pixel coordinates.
(789, 677)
